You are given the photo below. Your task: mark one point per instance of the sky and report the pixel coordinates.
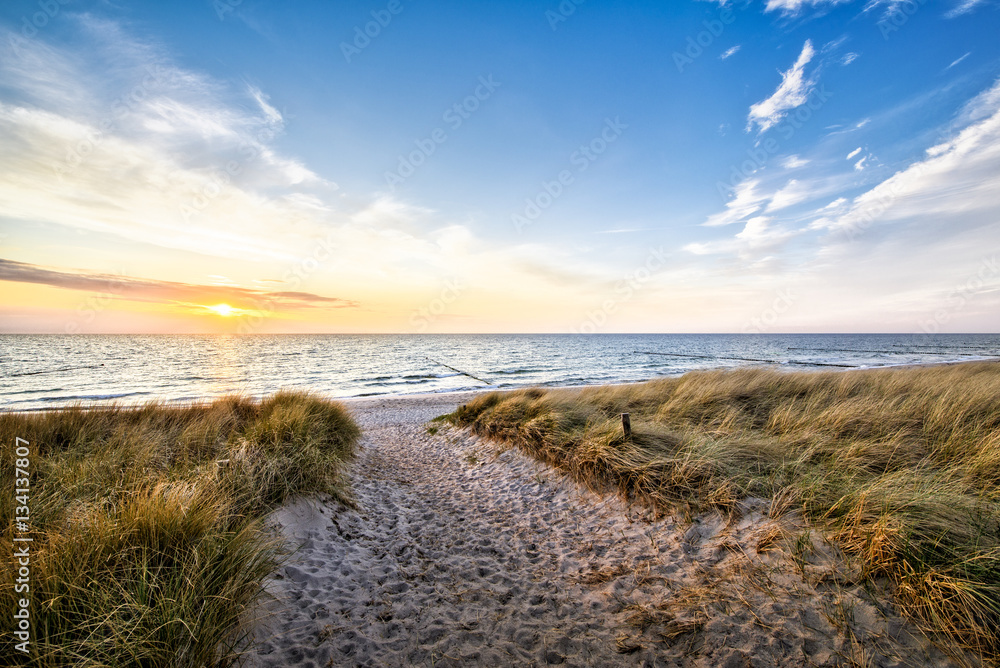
(414, 166)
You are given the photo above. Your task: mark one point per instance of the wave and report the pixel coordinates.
(94, 397)
(179, 366)
(60, 369)
(14, 393)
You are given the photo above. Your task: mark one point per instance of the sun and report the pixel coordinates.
(225, 310)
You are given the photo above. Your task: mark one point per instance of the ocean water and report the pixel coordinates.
(44, 371)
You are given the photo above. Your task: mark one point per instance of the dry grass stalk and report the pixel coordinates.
(146, 551)
(900, 466)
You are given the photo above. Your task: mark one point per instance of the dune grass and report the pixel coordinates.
(149, 546)
(900, 466)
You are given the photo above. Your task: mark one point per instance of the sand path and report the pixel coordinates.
(461, 555)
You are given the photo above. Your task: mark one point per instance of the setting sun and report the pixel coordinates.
(225, 310)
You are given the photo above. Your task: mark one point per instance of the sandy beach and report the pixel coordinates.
(460, 553)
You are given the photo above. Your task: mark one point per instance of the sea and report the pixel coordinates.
(49, 371)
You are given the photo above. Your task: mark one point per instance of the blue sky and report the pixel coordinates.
(776, 165)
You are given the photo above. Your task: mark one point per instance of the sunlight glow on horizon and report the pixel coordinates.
(224, 310)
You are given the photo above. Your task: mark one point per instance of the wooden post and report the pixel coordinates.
(626, 426)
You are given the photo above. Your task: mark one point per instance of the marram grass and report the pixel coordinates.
(149, 548)
(900, 466)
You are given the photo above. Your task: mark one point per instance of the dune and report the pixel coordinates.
(461, 552)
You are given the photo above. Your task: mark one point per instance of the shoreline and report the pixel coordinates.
(473, 392)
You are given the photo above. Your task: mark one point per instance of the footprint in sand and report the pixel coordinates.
(461, 555)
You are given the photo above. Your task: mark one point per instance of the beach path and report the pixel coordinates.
(462, 554)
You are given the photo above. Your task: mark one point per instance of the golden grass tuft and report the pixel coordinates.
(148, 551)
(901, 466)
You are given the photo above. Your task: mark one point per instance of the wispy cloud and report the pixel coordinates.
(958, 60)
(961, 7)
(793, 92)
(162, 157)
(958, 180)
(758, 239)
(747, 200)
(165, 292)
(796, 6)
(272, 115)
(794, 192)
(922, 228)
(188, 163)
(731, 51)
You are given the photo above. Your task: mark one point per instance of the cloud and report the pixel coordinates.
(957, 181)
(752, 244)
(793, 7)
(746, 200)
(794, 162)
(961, 7)
(793, 193)
(860, 164)
(165, 292)
(149, 152)
(272, 115)
(958, 60)
(793, 92)
(849, 58)
(756, 230)
(104, 134)
(891, 257)
(853, 153)
(731, 51)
